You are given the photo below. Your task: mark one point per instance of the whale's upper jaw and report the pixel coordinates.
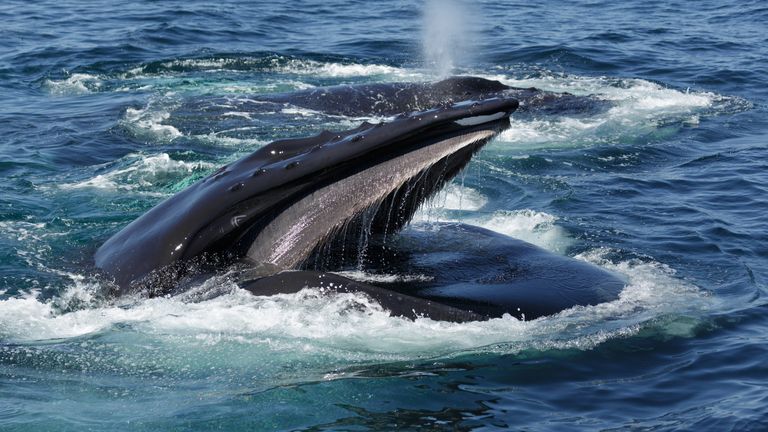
(215, 212)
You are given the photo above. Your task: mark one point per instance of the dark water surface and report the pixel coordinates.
(669, 188)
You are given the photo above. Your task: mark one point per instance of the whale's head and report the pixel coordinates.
(465, 87)
(278, 204)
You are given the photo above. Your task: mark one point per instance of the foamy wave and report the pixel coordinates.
(79, 83)
(220, 138)
(532, 226)
(639, 107)
(207, 64)
(294, 66)
(142, 172)
(276, 64)
(653, 290)
(176, 66)
(148, 123)
(351, 325)
(560, 131)
(342, 70)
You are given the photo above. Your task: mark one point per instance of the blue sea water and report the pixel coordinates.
(668, 188)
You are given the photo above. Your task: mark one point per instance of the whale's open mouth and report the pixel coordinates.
(377, 196)
(278, 204)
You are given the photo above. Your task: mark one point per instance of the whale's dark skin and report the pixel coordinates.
(273, 212)
(396, 302)
(388, 99)
(205, 114)
(472, 268)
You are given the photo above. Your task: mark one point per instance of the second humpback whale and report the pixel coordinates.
(202, 115)
(269, 213)
(388, 99)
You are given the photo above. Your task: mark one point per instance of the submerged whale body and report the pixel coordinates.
(271, 212)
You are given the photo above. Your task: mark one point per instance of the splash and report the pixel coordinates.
(346, 326)
(142, 172)
(74, 84)
(640, 109)
(447, 35)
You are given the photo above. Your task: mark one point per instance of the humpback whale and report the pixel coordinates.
(204, 114)
(388, 99)
(268, 214)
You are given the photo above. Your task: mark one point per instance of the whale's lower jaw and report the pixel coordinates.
(466, 273)
(396, 303)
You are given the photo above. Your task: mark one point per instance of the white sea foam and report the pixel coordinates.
(74, 84)
(141, 172)
(342, 70)
(639, 106)
(214, 64)
(352, 326)
(275, 65)
(220, 138)
(148, 123)
(178, 66)
(532, 226)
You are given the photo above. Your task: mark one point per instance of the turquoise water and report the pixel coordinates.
(668, 188)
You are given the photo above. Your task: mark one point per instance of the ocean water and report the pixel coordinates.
(669, 188)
